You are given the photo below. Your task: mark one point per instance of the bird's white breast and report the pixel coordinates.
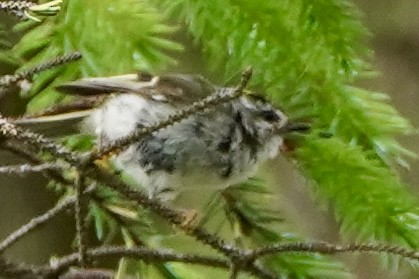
(196, 171)
(120, 115)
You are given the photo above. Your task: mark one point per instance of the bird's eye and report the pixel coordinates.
(144, 76)
(269, 115)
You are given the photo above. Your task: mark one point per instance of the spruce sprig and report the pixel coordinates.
(307, 55)
(114, 37)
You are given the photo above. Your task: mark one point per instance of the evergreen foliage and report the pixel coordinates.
(306, 56)
(307, 53)
(129, 33)
(5, 45)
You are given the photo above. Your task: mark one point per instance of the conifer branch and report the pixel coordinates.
(306, 77)
(243, 259)
(16, 79)
(143, 253)
(9, 130)
(327, 248)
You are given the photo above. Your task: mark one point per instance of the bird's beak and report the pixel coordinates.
(291, 126)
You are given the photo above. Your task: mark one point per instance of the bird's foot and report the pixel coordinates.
(189, 219)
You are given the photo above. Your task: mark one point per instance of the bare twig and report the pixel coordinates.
(12, 270)
(16, 8)
(79, 216)
(28, 168)
(9, 130)
(54, 62)
(36, 223)
(25, 153)
(143, 253)
(327, 248)
(10, 80)
(149, 255)
(28, 10)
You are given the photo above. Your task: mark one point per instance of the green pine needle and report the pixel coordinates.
(249, 206)
(369, 200)
(304, 54)
(131, 35)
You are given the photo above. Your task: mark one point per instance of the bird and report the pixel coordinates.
(210, 150)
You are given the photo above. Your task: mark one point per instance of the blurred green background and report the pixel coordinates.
(395, 41)
(394, 27)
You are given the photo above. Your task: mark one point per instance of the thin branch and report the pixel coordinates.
(80, 213)
(222, 96)
(28, 168)
(23, 152)
(16, 8)
(28, 10)
(173, 216)
(36, 223)
(234, 271)
(18, 271)
(176, 218)
(147, 254)
(9, 130)
(54, 62)
(10, 80)
(327, 248)
(40, 220)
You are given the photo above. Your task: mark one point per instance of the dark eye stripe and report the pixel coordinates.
(270, 116)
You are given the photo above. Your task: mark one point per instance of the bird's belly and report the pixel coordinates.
(185, 185)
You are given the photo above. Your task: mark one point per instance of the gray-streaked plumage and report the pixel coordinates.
(207, 151)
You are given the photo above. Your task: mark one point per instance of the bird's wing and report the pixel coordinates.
(176, 89)
(55, 124)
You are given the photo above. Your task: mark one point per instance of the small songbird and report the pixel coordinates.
(209, 150)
